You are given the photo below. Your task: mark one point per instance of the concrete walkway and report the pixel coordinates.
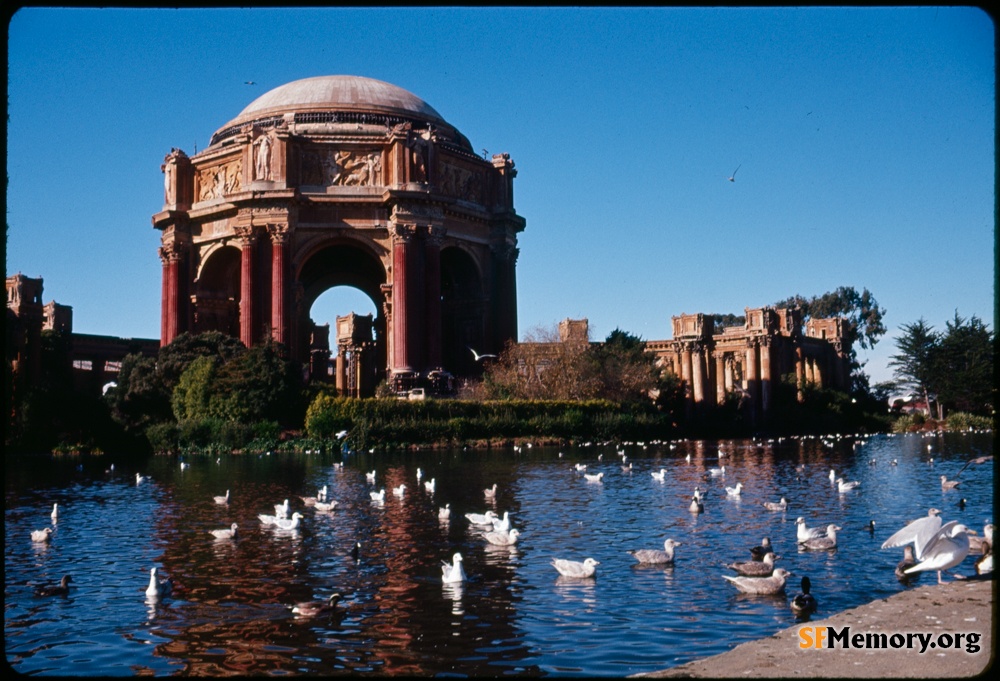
(954, 607)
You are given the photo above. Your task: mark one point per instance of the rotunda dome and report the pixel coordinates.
(349, 95)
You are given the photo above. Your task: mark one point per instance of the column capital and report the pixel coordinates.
(279, 232)
(402, 232)
(171, 252)
(247, 234)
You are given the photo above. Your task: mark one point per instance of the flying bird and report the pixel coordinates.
(732, 178)
(249, 82)
(478, 357)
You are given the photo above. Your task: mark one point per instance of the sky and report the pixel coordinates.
(862, 141)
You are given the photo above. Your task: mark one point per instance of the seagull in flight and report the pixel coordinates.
(478, 357)
(732, 178)
(250, 82)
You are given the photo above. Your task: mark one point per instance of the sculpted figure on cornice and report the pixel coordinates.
(219, 181)
(262, 158)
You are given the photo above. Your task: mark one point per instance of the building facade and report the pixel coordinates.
(343, 181)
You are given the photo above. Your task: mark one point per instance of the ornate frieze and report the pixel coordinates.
(342, 168)
(219, 181)
(460, 182)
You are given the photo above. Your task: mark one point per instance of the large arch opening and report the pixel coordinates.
(217, 293)
(343, 282)
(463, 312)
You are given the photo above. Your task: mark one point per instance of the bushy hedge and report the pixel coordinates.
(961, 420)
(390, 421)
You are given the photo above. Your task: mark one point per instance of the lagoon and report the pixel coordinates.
(230, 612)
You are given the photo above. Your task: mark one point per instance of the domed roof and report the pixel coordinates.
(352, 93)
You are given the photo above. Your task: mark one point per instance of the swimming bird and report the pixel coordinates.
(696, 505)
(761, 586)
(60, 589)
(452, 573)
(399, 491)
(947, 548)
(225, 534)
(430, 485)
(593, 477)
(580, 467)
(902, 566)
(760, 552)
(697, 492)
(370, 477)
(315, 608)
(575, 569)
(717, 472)
(481, 518)
(288, 523)
(139, 479)
(157, 587)
(949, 484)
(735, 491)
(502, 525)
(755, 568)
(490, 492)
(266, 519)
(42, 535)
(776, 506)
(962, 502)
(502, 538)
(833, 475)
(846, 486)
(870, 526)
(55, 512)
(356, 551)
(378, 496)
(804, 533)
(281, 510)
(222, 500)
(656, 556)
(420, 474)
(804, 603)
(325, 507)
(659, 475)
(444, 512)
(185, 465)
(823, 543)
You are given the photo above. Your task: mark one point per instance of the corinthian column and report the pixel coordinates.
(279, 239)
(171, 298)
(402, 237)
(248, 239)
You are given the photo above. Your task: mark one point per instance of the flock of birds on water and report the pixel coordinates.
(929, 543)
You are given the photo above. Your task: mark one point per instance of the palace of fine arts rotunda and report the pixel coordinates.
(343, 181)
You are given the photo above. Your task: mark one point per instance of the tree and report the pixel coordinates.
(259, 384)
(175, 357)
(861, 310)
(191, 398)
(913, 365)
(625, 371)
(542, 367)
(962, 366)
(139, 398)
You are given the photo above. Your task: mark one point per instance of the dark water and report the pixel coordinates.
(230, 613)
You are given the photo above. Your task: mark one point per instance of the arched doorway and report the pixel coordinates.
(463, 312)
(339, 318)
(217, 293)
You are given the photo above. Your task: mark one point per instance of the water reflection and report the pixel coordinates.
(231, 610)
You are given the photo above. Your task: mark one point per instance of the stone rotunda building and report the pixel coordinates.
(343, 181)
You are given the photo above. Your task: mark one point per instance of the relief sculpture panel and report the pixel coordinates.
(460, 182)
(333, 168)
(219, 181)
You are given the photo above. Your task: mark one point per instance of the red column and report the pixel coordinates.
(401, 239)
(279, 238)
(170, 294)
(247, 243)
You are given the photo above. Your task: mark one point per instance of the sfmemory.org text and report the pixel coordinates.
(831, 637)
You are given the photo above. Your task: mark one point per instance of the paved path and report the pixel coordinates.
(954, 607)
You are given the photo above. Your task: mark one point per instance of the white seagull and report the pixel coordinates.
(804, 533)
(937, 547)
(481, 518)
(222, 500)
(735, 491)
(479, 358)
(575, 569)
(399, 491)
(717, 472)
(429, 485)
(659, 475)
(41, 535)
(225, 534)
(55, 512)
(452, 573)
(823, 543)
(444, 512)
(501, 538)
(288, 523)
(593, 477)
(502, 525)
(370, 477)
(378, 496)
(776, 506)
(761, 585)
(949, 484)
(846, 486)
(281, 510)
(490, 492)
(158, 588)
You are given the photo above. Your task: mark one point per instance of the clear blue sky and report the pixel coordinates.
(865, 141)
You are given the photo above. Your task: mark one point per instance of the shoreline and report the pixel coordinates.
(959, 606)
